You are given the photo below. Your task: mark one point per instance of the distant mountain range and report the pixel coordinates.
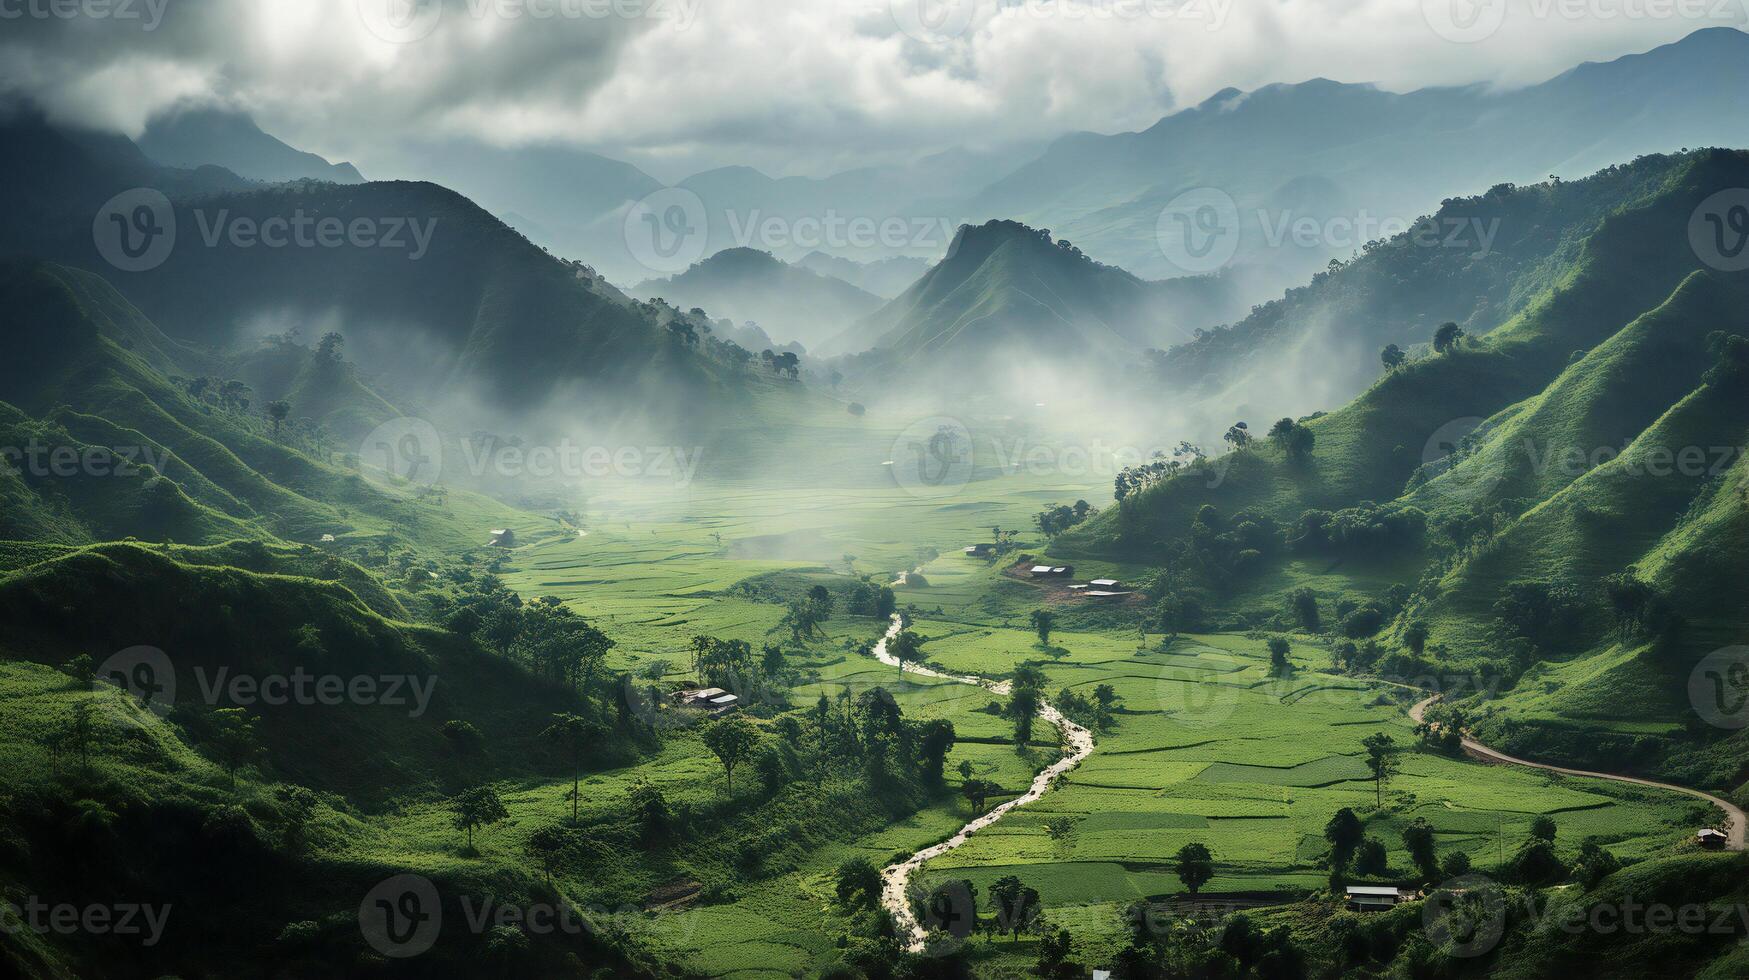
(192, 137)
(885, 278)
(787, 302)
(1334, 152)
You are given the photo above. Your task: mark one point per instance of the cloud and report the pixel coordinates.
(786, 85)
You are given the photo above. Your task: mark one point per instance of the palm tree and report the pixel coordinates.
(572, 732)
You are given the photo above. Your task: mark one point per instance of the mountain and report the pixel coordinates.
(885, 278)
(1558, 501)
(190, 137)
(430, 290)
(1006, 292)
(788, 303)
(1373, 156)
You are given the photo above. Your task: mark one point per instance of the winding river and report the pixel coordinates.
(896, 878)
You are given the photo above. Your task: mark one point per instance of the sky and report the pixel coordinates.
(806, 87)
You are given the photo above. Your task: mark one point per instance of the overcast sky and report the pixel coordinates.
(789, 86)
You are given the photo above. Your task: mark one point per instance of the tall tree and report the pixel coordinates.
(1381, 759)
(1042, 621)
(731, 740)
(477, 807)
(1344, 832)
(574, 733)
(1195, 866)
(1448, 337)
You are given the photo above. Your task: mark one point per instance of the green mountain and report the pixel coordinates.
(1384, 154)
(190, 137)
(1008, 293)
(789, 303)
(1569, 534)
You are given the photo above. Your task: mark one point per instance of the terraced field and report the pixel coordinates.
(1207, 747)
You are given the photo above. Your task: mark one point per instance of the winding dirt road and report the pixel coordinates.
(896, 878)
(1738, 823)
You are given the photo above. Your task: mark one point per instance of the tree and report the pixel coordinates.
(1454, 865)
(297, 806)
(1370, 858)
(976, 791)
(1381, 759)
(1448, 337)
(906, 648)
(1344, 832)
(573, 733)
(1053, 952)
(1017, 906)
(1393, 357)
(477, 807)
(1543, 829)
(858, 883)
(80, 732)
(1305, 608)
(1042, 621)
(1294, 439)
(1279, 665)
(731, 740)
(1239, 436)
(1195, 866)
(935, 741)
(81, 669)
(1415, 637)
(1024, 697)
(545, 846)
(1418, 841)
(463, 737)
(233, 739)
(277, 412)
(1595, 864)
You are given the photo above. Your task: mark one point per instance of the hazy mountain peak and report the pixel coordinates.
(193, 136)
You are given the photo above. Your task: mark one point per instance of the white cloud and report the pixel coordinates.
(786, 85)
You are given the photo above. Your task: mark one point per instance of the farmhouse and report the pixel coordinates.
(502, 538)
(1051, 571)
(712, 699)
(980, 551)
(1711, 839)
(1374, 898)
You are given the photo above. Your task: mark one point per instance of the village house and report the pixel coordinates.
(1375, 898)
(1051, 571)
(980, 551)
(502, 538)
(712, 699)
(1712, 840)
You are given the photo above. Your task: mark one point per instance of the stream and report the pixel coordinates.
(896, 878)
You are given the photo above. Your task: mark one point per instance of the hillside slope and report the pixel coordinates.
(788, 302)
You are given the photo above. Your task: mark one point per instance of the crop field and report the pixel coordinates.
(1206, 746)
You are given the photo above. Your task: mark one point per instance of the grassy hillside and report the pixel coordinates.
(788, 302)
